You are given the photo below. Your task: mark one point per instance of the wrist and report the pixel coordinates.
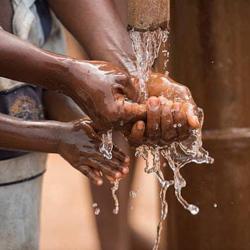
(63, 131)
(60, 74)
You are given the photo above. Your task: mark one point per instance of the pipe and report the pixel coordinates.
(148, 14)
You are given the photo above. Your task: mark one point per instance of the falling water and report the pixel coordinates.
(106, 146)
(146, 46)
(114, 195)
(97, 210)
(177, 155)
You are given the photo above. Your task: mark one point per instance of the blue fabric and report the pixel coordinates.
(43, 11)
(25, 103)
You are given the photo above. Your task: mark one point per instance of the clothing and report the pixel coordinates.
(33, 22)
(20, 203)
(20, 177)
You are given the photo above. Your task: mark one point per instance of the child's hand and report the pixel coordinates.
(79, 145)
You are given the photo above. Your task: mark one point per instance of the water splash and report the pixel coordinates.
(114, 189)
(107, 145)
(132, 194)
(146, 46)
(177, 155)
(97, 210)
(106, 148)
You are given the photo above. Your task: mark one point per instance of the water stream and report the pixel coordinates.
(146, 46)
(114, 189)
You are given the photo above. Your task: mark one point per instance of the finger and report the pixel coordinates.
(167, 122)
(118, 154)
(123, 163)
(137, 132)
(91, 174)
(112, 180)
(181, 123)
(107, 169)
(130, 111)
(153, 117)
(192, 118)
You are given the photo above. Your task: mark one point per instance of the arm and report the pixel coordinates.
(96, 86)
(98, 28)
(59, 107)
(24, 62)
(76, 142)
(29, 136)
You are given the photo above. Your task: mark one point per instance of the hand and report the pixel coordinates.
(79, 145)
(99, 88)
(171, 113)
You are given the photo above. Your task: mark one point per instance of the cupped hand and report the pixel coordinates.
(171, 113)
(100, 90)
(79, 145)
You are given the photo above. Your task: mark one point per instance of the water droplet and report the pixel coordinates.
(175, 126)
(215, 205)
(179, 125)
(193, 209)
(132, 194)
(97, 210)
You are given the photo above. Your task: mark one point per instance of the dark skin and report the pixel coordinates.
(77, 142)
(100, 91)
(99, 43)
(111, 45)
(169, 103)
(96, 37)
(62, 108)
(98, 87)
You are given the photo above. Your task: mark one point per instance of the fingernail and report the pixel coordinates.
(154, 104)
(125, 170)
(140, 125)
(99, 182)
(127, 159)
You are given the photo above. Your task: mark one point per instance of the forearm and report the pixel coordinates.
(98, 28)
(22, 135)
(24, 62)
(62, 108)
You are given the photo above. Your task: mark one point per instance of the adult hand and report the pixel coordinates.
(79, 145)
(171, 113)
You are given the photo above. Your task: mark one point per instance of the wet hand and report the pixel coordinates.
(100, 89)
(171, 113)
(79, 145)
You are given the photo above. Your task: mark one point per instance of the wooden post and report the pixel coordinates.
(148, 14)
